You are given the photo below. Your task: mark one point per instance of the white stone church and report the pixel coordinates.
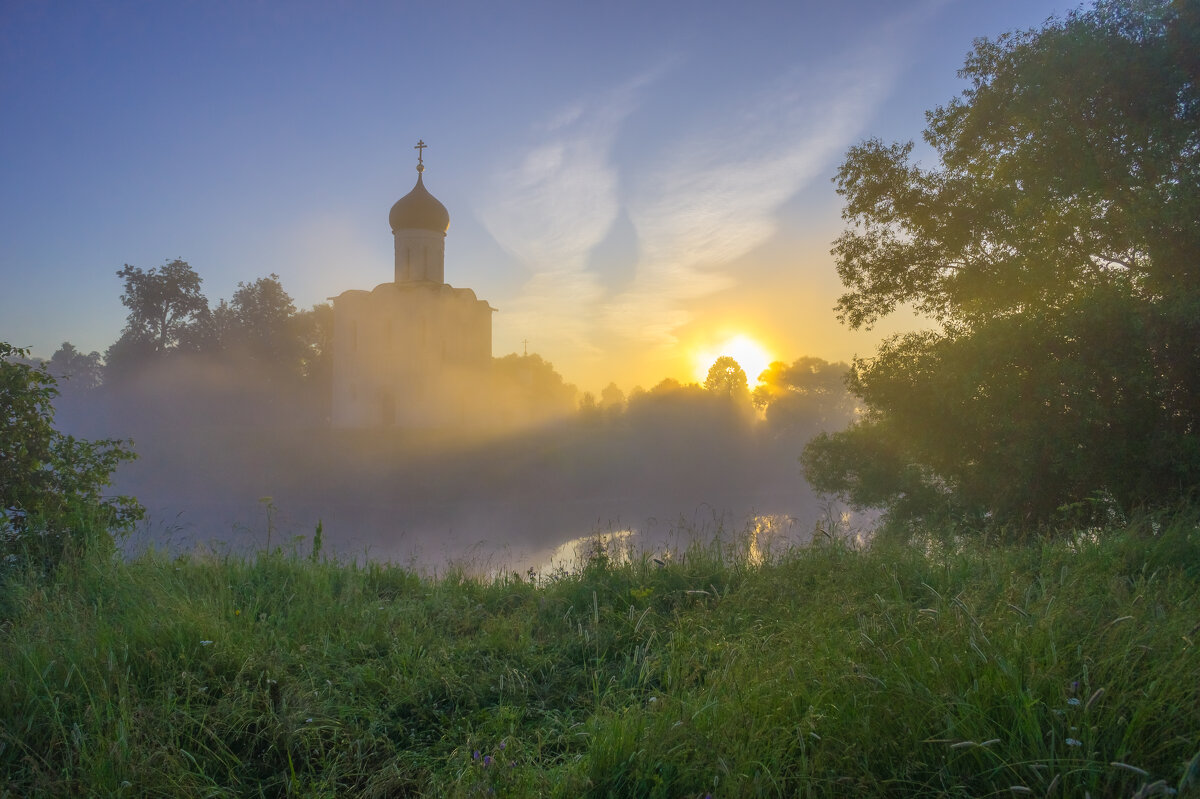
(414, 352)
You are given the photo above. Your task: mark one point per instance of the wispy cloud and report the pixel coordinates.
(556, 205)
(712, 195)
(715, 198)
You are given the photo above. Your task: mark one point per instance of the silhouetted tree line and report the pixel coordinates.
(175, 343)
(178, 350)
(260, 325)
(789, 405)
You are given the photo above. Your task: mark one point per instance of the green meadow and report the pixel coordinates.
(1064, 666)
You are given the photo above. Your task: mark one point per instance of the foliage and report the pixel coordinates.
(162, 302)
(1055, 243)
(527, 387)
(808, 394)
(727, 378)
(314, 331)
(179, 352)
(83, 372)
(612, 397)
(50, 484)
(1061, 667)
(263, 325)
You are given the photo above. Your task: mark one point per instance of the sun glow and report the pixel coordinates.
(749, 354)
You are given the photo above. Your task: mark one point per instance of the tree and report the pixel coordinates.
(314, 329)
(1055, 247)
(82, 371)
(209, 332)
(529, 389)
(726, 378)
(612, 398)
(162, 302)
(807, 395)
(261, 325)
(50, 484)
(166, 310)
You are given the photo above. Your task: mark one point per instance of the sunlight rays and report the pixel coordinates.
(750, 355)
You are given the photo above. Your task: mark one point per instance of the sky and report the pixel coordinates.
(631, 184)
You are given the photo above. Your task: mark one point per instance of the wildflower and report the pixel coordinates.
(308, 721)
(1073, 742)
(237, 613)
(502, 745)
(475, 756)
(1073, 700)
(487, 760)
(205, 643)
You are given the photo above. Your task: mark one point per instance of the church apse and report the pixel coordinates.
(413, 352)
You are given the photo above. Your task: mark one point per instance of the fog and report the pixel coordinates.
(230, 461)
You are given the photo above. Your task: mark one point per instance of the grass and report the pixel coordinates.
(1052, 668)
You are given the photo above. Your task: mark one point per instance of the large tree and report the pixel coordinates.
(166, 308)
(1055, 248)
(261, 324)
(162, 302)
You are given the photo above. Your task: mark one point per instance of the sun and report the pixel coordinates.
(750, 355)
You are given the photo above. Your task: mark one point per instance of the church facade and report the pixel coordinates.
(413, 352)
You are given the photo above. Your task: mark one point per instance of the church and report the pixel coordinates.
(413, 352)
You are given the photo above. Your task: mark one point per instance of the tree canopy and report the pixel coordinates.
(807, 395)
(257, 328)
(162, 302)
(51, 484)
(83, 372)
(727, 378)
(1054, 245)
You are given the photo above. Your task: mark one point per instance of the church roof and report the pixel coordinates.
(419, 210)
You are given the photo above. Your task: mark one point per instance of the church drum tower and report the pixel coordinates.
(410, 353)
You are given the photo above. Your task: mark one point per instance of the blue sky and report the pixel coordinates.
(629, 183)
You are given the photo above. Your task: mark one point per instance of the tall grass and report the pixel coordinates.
(935, 669)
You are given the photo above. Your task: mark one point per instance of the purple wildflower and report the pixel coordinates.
(476, 755)
(487, 760)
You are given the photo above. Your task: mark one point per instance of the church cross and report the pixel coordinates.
(420, 148)
(526, 343)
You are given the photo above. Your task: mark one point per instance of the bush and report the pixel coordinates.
(51, 484)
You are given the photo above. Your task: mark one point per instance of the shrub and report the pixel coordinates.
(51, 484)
